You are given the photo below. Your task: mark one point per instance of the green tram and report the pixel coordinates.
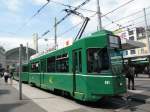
(141, 65)
(88, 70)
(16, 73)
(24, 74)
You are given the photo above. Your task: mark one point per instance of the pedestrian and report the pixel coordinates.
(148, 71)
(130, 75)
(6, 76)
(11, 77)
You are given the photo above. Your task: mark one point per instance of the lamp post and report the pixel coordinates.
(20, 71)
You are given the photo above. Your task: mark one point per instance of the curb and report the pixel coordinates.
(139, 99)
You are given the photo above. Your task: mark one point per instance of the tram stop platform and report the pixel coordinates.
(142, 92)
(9, 100)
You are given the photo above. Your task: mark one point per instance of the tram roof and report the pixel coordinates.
(126, 44)
(55, 52)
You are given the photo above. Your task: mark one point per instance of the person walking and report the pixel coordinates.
(6, 76)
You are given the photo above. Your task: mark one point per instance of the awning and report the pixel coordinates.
(130, 44)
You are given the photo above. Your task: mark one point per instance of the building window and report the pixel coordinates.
(130, 32)
(132, 51)
(140, 33)
(142, 51)
(123, 35)
(126, 52)
(131, 38)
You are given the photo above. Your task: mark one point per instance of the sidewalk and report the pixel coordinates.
(142, 92)
(9, 100)
(37, 98)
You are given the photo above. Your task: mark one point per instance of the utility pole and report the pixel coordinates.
(27, 52)
(55, 27)
(20, 71)
(146, 31)
(99, 15)
(36, 36)
(35, 39)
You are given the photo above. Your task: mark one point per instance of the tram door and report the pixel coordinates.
(43, 70)
(77, 67)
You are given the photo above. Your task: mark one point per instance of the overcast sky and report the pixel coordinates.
(14, 14)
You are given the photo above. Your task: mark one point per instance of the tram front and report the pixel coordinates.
(116, 65)
(105, 69)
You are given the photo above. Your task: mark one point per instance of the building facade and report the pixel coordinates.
(2, 57)
(136, 34)
(12, 56)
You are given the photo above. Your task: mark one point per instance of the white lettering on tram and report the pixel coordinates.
(107, 82)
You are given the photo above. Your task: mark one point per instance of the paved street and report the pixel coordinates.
(40, 101)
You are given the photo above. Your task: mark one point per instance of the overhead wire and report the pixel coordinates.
(102, 16)
(68, 30)
(75, 8)
(118, 8)
(122, 18)
(67, 5)
(60, 3)
(34, 15)
(7, 32)
(127, 27)
(70, 6)
(133, 23)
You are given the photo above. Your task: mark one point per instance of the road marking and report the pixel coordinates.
(136, 91)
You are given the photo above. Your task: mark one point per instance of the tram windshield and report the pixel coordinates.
(116, 55)
(116, 61)
(97, 60)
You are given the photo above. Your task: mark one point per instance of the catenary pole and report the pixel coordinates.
(20, 71)
(146, 32)
(27, 52)
(99, 16)
(55, 27)
(37, 45)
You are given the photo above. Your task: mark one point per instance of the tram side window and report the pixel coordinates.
(51, 64)
(35, 67)
(43, 65)
(77, 61)
(62, 63)
(25, 69)
(80, 62)
(97, 60)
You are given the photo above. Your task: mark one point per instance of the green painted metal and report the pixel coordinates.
(25, 76)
